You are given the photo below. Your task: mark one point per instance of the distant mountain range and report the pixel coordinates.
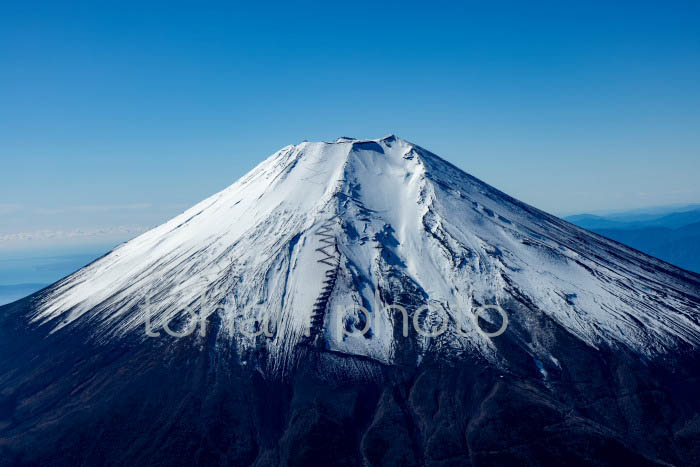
(673, 237)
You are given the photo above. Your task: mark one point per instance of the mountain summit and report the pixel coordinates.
(390, 223)
(357, 302)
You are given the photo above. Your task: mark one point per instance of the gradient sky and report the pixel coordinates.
(117, 116)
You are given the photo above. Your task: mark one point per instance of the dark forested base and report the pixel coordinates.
(65, 401)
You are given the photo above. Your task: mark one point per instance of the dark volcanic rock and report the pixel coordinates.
(67, 401)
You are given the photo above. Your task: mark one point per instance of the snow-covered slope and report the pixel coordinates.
(329, 226)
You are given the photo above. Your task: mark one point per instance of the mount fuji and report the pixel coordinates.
(337, 306)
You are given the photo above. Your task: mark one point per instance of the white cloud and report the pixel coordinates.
(47, 234)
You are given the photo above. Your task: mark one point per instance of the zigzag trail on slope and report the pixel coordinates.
(410, 226)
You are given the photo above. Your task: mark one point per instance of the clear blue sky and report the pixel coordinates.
(119, 115)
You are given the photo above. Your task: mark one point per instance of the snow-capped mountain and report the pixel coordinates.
(593, 360)
(382, 218)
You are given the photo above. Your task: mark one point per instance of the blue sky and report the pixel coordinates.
(118, 115)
